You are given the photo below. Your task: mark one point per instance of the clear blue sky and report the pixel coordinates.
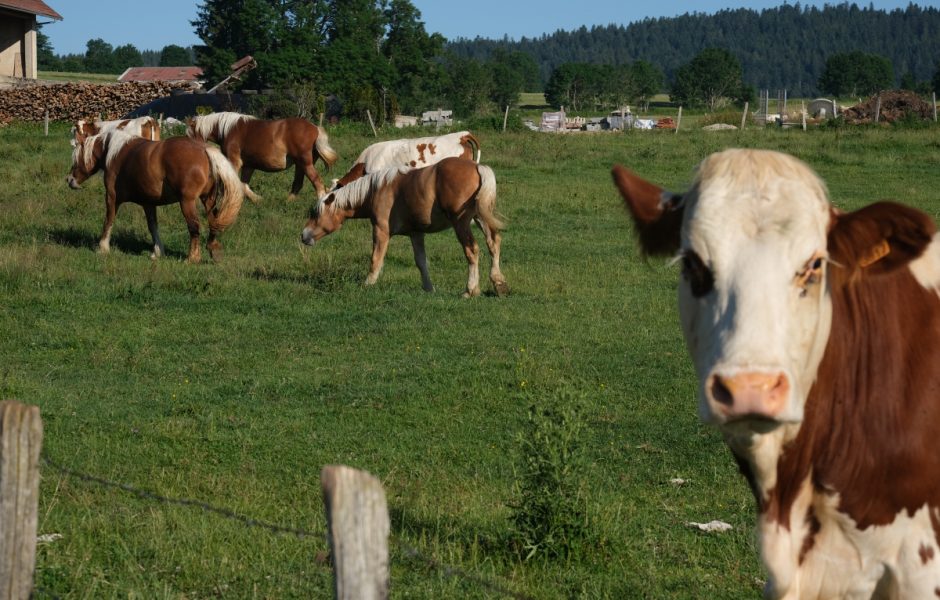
(153, 25)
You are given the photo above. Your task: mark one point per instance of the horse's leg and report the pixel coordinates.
(213, 245)
(188, 206)
(314, 178)
(472, 252)
(380, 237)
(110, 209)
(247, 172)
(297, 183)
(421, 260)
(151, 212)
(493, 243)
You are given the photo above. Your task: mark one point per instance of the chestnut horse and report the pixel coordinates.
(251, 143)
(412, 202)
(414, 152)
(145, 127)
(152, 174)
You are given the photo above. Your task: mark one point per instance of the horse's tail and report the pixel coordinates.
(323, 149)
(229, 189)
(486, 198)
(474, 145)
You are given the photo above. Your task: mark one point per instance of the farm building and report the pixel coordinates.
(18, 25)
(191, 75)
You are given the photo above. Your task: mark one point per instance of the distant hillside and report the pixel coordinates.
(784, 47)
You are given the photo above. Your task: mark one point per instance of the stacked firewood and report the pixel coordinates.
(72, 101)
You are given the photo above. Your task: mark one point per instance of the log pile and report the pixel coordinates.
(73, 101)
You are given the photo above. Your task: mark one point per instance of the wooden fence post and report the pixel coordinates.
(934, 103)
(20, 444)
(744, 115)
(505, 117)
(678, 120)
(45, 123)
(358, 522)
(371, 124)
(878, 108)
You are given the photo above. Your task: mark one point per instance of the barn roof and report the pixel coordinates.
(33, 7)
(161, 74)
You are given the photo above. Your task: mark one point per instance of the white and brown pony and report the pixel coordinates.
(153, 174)
(412, 202)
(251, 143)
(145, 127)
(414, 153)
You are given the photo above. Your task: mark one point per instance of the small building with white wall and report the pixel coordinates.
(18, 26)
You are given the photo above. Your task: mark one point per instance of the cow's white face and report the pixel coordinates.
(752, 299)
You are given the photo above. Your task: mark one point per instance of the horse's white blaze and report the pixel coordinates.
(926, 268)
(755, 221)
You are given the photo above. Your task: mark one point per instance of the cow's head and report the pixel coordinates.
(760, 249)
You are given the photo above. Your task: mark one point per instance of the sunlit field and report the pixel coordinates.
(233, 383)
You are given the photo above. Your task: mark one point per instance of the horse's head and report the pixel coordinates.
(324, 220)
(87, 156)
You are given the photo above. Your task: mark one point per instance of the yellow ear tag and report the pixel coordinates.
(877, 253)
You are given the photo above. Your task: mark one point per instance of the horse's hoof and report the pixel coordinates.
(502, 288)
(471, 293)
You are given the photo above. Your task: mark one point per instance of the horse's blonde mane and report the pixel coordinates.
(113, 139)
(356, 193)
(221, 122)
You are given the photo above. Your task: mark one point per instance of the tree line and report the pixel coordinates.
(354, 56)
(779, 48)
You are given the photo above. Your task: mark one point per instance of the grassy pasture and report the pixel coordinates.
(234, 383)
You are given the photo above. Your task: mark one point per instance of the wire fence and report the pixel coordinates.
(448, 571)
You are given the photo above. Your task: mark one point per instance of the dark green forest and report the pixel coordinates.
(784, 47)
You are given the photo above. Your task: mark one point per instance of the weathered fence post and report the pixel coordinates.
(45, 123)
(678, 120)
(358, 522)
(371, 124)
(20, 443)
(934, 104)
(803, 113)
(505, 117)
(744, 115)
(878, 108)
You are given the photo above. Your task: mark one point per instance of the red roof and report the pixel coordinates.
(33, 7)
(161, 74)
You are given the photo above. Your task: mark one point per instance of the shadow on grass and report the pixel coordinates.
(123, 242)
(326, 279)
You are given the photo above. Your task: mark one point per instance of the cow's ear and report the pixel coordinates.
(657, 214)
(879, 238)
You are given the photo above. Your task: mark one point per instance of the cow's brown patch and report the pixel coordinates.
(810, 540)
(877, 378)
(926, 553)
(432, 149)
(421, 148)
(936, 592)
(413, 164)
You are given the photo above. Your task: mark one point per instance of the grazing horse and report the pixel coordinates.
(414, 153)
(145, 127)
(413, 202)
(251, 143)
(152, 174)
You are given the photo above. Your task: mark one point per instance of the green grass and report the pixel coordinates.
(234, 383)
(71, 77)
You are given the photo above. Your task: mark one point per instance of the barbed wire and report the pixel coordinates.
(448, 571)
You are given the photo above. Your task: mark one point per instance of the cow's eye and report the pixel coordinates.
(697, 273)
(811, 274)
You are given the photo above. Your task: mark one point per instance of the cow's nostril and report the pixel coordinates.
(720, 392)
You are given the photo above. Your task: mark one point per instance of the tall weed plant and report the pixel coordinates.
(549, 509)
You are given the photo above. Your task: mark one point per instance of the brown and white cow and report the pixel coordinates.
(413, 153)
(815, 335)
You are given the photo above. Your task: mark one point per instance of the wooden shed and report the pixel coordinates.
(18, 36)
